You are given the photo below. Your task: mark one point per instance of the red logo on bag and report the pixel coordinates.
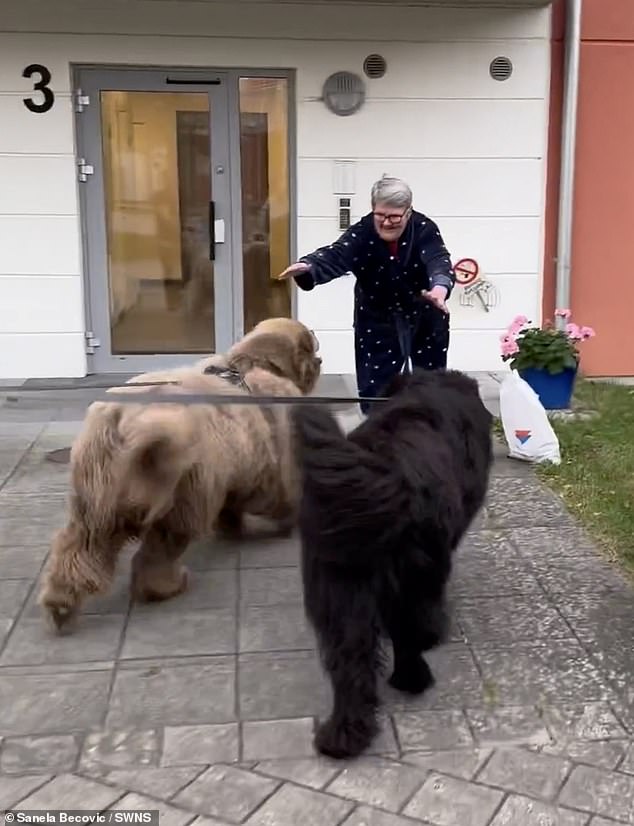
(522, 436)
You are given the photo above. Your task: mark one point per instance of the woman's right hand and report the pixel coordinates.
(294, 269)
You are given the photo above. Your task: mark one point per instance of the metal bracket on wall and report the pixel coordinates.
(92, 342)
(81, 100)
(85, 169)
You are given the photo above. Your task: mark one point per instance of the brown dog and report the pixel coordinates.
(168, 474)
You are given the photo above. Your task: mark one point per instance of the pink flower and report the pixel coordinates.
(573, 332)
(516, 325)
(563, 314)
(508, 345)
(587, 332)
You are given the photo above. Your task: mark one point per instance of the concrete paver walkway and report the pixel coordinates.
(204, 707)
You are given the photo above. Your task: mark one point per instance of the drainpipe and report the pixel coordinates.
(568, 145)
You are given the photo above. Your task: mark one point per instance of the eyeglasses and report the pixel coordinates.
(393, 218)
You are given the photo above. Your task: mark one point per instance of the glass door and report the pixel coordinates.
(157, 208)
(265, 194)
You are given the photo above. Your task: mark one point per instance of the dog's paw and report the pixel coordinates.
(414, 678)
(60, 610)
(344, 738)
(157, 590)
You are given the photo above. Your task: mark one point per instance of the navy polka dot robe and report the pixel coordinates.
(392, 322)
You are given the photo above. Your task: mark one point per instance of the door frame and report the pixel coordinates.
(89, 145)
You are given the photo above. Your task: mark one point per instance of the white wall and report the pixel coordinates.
(473, 149)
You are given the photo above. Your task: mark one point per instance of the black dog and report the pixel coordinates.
(382, 511)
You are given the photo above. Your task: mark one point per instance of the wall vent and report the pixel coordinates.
(375, 66)
(501, 68)
(344, 93)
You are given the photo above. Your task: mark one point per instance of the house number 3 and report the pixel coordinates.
(42, 86)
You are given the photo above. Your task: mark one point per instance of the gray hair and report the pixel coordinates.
(391, 191)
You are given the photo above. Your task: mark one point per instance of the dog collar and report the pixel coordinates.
(229, 374)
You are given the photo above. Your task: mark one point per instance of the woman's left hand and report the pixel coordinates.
(437, 296)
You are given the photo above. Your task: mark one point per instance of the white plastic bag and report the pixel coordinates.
(528, 432)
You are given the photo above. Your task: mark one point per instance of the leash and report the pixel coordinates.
(13, 394)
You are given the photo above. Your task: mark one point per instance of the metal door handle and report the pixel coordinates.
(212, 231)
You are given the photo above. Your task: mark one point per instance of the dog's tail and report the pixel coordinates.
(352, 493)
(158, 444)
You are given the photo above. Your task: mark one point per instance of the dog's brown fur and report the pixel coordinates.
(168, 474)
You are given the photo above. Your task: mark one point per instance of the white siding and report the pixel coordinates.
(472, 149)
(490, 187)
(39, 244)
(291, 21)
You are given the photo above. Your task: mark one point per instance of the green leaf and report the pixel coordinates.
(546, 349)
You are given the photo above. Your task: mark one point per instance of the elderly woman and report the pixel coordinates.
(403, 279)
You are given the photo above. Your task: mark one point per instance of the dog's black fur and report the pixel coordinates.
(382, 511)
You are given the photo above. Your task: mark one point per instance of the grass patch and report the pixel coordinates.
(596, 475)
(498, 430)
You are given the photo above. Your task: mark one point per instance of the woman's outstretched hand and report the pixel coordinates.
(294, 269)
(437, 296)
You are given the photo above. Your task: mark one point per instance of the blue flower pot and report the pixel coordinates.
(554, 391)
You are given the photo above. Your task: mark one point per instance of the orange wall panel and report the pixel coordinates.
(607, 20)
(603, 228)
(602, 286)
